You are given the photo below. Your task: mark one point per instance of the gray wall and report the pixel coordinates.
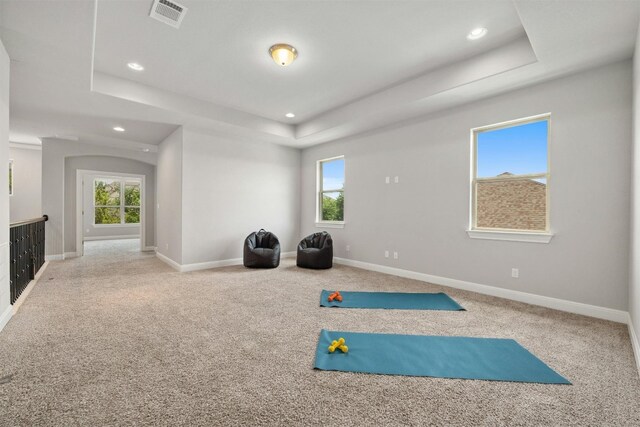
(169, 197)
(634, 280)
(114, 165)
(26, 201)
(231, 188)
(425, 216)
(98, 232)
(55, 188)
(5, 305)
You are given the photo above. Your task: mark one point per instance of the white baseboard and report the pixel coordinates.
(635, 344)
(223, 263)
(168, 260)
(210, 264)
(549, 302)
(69, 255)
(55, 257)
(149, 249)
(5, 317)
(23, 296)
(125, 236)
(183, 268)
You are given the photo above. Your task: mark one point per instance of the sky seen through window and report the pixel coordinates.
(519, 150)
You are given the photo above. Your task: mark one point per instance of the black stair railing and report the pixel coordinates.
(26, 253)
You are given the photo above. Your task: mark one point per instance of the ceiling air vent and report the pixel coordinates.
(168, 12)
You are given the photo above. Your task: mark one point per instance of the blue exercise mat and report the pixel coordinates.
(495, 359)
(395, 300)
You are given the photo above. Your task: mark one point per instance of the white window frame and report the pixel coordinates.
(122, 206)
(533, 236)
(320, 191)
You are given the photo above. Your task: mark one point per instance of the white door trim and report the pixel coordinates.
(80, 174)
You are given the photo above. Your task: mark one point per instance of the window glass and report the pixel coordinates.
(333, 206)
(331, 195)
(107, 192)
(333, 175)
(107, 215)
(131, 215)
(518, 150)
(11, 177)
(519, 204)
(510, 188)
(132, 194)
(110, 205)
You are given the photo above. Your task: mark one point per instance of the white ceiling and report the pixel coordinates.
(362, 64)
(347, 49)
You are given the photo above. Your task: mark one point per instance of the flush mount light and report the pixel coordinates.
(118, 129)
(283, 54)
(145, 150)
(290, 115)
(477, 33)
(135, 66)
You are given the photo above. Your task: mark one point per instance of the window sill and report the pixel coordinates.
(115, 225)
(512, 236)
(336, 224)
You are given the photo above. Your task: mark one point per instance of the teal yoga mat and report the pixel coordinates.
(395, 300)
(494, 359)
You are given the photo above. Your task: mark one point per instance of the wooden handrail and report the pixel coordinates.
(29, 221)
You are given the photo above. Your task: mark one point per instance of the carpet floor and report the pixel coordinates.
(119, 338)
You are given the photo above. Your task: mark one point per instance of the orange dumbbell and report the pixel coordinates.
(335, 296)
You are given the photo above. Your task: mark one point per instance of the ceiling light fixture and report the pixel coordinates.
(118, 129)
(145, 150)
(135, 66)
(290, 115)
(283, 54)
(477, 33)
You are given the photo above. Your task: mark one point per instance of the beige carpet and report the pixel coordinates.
(118, 338)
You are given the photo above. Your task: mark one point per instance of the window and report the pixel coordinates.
(331, 190)
(109, 205)
(131, 202)
(510, 177)
(11, 177)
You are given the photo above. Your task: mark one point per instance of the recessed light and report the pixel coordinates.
(135, 66)
(477, 33)
(118, 129)
(146, 150)
(290, 115)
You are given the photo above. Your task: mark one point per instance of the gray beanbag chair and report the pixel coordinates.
(261, 250)
(316, 251)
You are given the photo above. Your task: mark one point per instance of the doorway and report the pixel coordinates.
(110, 206)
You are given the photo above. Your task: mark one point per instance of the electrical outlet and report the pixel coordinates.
(395, 255)
(387, 180)
(515, 273)
(396, 179)
(386, 254)
(348, 248)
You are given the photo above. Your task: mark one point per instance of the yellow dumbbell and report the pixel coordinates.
(339, 345)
